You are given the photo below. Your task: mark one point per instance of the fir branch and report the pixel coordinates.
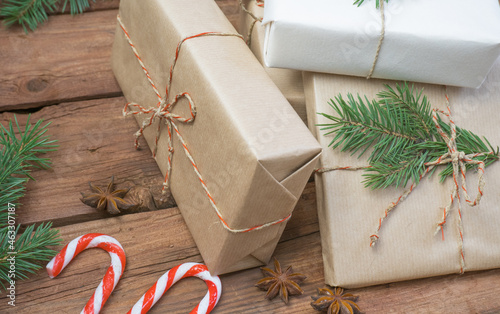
(362, 124)
(77, 6)
(399, 129)
(409, 100)
(30, 13)
(27, 13)
(360, 2)
(31, 248)
(18, 156)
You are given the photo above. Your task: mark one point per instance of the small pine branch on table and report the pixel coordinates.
(30, 13)
(399, 129)
(18, 156)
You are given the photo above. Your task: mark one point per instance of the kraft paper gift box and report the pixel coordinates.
(425, 41)
(288, 81)
(252, 150)
(408, 247)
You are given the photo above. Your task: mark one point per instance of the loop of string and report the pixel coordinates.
(459, 160)
(163, 112)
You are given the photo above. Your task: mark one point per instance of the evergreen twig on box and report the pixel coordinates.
(398, 130)
(18, 156)
(30, 13)
(360, 2)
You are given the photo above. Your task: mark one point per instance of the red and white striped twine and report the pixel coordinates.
(162, 112)
(153, 295)
(459, 160)
(112, 276)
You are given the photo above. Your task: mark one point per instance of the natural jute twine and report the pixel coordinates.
(255, 18)
(162, 112)
(380, 39)
(459, 160)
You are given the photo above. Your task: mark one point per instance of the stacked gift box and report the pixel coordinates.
(243, 155)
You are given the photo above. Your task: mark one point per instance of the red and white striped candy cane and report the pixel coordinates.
(112, 276)
(175, 274)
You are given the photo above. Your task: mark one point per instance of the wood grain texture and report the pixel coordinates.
(156, 241)
(229, 7)
(66, 59)
(95, 142)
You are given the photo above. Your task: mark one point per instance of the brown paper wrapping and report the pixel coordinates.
(249, 145)
(408, 248)
(288, 81)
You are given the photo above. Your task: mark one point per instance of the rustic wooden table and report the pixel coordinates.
(62, 73)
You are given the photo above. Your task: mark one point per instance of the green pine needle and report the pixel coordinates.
(30, 13)
(31, 248)
(360, 2)
(19, 154)
(398, 130)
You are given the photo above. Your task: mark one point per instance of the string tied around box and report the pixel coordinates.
(459, 161)
(162, 112)
(255, 18)
(380, 39)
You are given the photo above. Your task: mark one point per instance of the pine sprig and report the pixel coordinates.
(398, 129)
(27, 13)
(31, 247)
(361, 124)
(19, 154)
(30, 13)
(360, 2)
(77, 6)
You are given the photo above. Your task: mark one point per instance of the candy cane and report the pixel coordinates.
(113, 275)
(171, 277)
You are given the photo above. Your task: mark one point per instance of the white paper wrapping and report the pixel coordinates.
(451, 42)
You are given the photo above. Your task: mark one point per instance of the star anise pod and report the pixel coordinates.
(109, 199)
(335, 302)
(286, 283)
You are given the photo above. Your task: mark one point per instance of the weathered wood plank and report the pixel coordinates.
(96, 5)
(157, 241)
(66, 59)
(229, 7)
(95, 142)
(154, 242)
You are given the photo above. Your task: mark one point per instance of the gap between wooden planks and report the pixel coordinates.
(95, 142)
(65, 59)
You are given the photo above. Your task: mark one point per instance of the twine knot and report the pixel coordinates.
(457, 157)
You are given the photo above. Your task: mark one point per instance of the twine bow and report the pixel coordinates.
(163, 113)
(459, 161)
